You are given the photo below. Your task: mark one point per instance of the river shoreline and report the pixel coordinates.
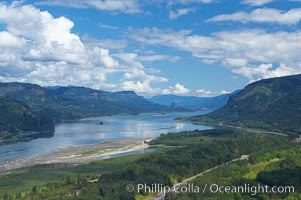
(79, 154)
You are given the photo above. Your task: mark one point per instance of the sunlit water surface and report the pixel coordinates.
(89, 131)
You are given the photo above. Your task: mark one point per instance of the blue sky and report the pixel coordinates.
(184, 47)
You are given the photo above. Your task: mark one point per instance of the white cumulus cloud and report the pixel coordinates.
(8, 40)
(39, 48)
(159, 57)
(256, 2)
(262, 15)
(180, 12)
(136, 78)
(236, 50)
(128, 6)
(208, 93)
(172, 2)
(179, 89)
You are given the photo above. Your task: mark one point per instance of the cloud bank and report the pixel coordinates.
(256, 2)
(262, 15)
(39, 48)
(128, 6)
(253, 53)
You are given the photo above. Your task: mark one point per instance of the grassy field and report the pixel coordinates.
(259, 167)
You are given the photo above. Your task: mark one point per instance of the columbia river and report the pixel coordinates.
(91, 131)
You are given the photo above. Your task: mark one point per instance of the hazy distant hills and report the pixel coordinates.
(192, 102)
(273, 104)
(103, 102)
(65, 103)
(17, 118)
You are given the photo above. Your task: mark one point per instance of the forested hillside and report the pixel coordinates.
(273, 104)
(181, 156)
(17, 119)
(65, 103)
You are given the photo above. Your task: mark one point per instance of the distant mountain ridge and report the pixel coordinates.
(65, 103)
(193, 102)
(272, 104)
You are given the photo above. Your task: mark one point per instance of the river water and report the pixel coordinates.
(89, 131)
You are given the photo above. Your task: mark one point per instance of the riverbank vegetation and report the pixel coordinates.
(188, 153)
